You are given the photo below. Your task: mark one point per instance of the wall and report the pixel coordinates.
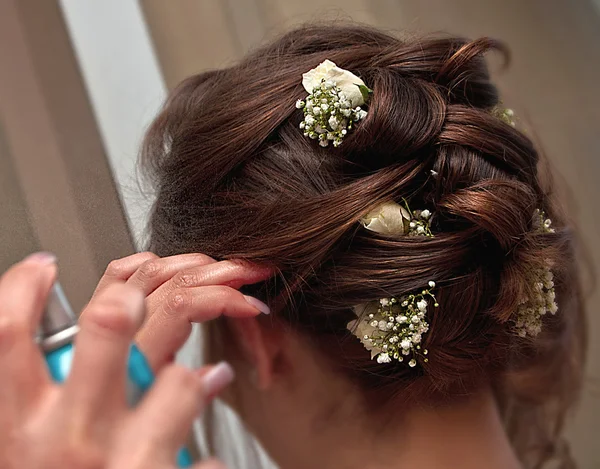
(57, 191)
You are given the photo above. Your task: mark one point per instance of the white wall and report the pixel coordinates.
(124, 84)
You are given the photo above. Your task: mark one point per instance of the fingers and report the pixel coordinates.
(230, 273)
(166, 414)
(108, 325)
(169, 327)
(120, 270)
(153, 273)
(23, 292)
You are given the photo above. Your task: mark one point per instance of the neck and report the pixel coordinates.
(468, 435)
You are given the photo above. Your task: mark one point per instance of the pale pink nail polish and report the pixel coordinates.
(217, 378)
(259, 305)
(43, 258)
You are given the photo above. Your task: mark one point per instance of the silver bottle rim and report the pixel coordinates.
(59, 339)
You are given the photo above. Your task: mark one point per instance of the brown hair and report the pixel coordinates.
(236, 178)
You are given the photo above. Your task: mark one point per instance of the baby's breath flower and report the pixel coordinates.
(392, 328)
(529, 314)
(333, 104)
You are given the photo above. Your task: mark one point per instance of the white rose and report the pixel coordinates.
(389, 218)
(347, 81)
(361, 328)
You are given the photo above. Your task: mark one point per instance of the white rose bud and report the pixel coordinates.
(345, 80)
(389, 218)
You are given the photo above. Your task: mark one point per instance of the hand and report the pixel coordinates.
(86, 423)
(181, 290)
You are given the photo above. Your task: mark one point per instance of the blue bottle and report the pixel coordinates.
(58, 330)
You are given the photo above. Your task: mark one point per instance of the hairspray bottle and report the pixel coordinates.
(58, 330)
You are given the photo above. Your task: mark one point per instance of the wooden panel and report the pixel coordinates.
(191, 36)
(56, 152)
(283, 14)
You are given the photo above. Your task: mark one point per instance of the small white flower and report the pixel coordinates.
(299, 104)
(422, 305)
(310, 120)
(383, 357)
(330, 72)
(389, 218)
(405, 344)
(401, 319)
(431, 284)
(420, 229)
(425, 214)
(333, 123)
(384, 301)
(412, 363)
(382, 325)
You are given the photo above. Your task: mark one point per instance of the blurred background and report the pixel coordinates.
(81, 79)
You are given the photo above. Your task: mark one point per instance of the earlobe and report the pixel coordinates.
(258, 348)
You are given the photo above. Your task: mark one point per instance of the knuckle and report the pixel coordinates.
(179, 300)
(116, 269)
(150, 269)
(186, 279)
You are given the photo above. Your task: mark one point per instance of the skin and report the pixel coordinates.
(86, 423)
(302, 412)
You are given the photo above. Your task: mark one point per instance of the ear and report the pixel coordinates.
(260, 346)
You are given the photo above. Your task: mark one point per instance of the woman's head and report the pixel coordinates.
(236, 178)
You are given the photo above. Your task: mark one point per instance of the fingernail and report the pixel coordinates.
(217, 378)
(43, 258)
(259, 305)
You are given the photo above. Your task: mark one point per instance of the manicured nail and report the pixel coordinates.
(43, 258)
(217, 378)
(259, 305)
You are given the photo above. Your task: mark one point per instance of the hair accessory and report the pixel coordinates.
(333, 103)
(505, 114)
(528, 320)
(391, 218)
(393, 328)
